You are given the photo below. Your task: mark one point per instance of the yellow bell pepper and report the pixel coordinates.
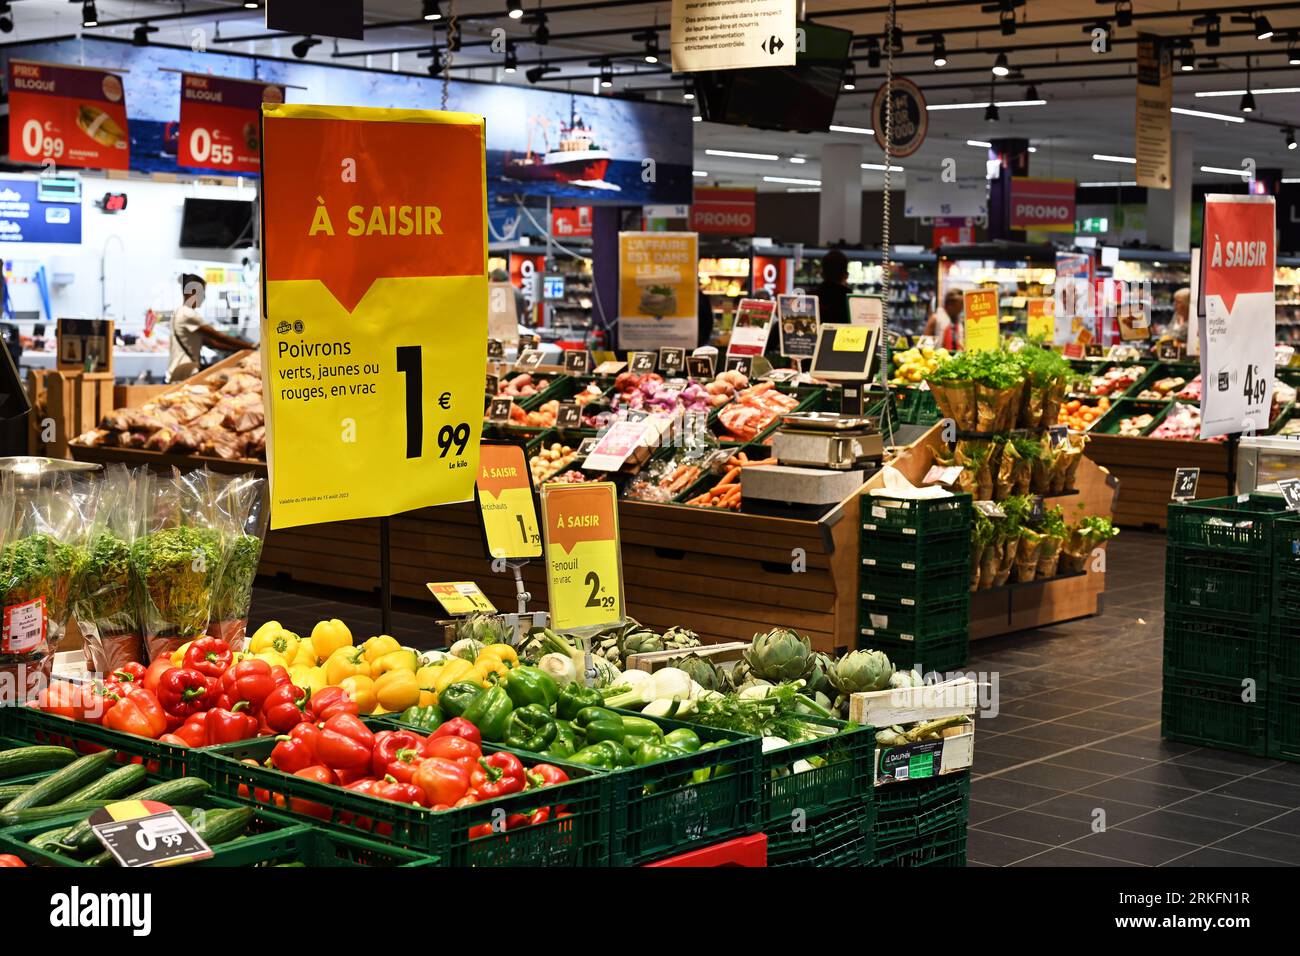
(488, 670)
(270, 627)
(450, 672)
(308, 678)
(427, 698)
(379, 709)
(344, 663)
(274, 658)
(284, 643)
(501, 652)
(361, 689)
(178, 655)
(328, 636)
(397, 690)
(377, 647)
(403, 660)
(305, 655)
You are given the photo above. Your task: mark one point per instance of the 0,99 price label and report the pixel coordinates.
(461, 597)
(584, 568)
(506, 505)
(147, 833)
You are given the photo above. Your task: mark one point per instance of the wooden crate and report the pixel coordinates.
(728, 652)
(1145, 469)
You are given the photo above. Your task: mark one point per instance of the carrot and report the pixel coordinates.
(729, 478)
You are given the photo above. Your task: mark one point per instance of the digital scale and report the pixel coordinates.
(828, 440)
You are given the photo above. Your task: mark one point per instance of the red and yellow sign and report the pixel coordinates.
(1043, 204)
(1042, 319)
(982, 331)
(505, 502)
(461, 597)
(221, 122)
(584, 568)
(375, 329)
(70, 115)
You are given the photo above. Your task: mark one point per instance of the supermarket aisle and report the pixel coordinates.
(1078, 736)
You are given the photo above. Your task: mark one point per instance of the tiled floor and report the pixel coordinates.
(1072, 771)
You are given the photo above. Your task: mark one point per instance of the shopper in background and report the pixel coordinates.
(704, 309)
(190, 332)
(521, 304)
(944, 324)
(833, 292)
(1177, 328)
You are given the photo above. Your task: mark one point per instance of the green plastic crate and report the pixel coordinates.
(844, 782)
(1286, 553)
(915, 552)
(1124, 408)
(913, 809)
(916, 516)
(1284, 638)
(1228, 525)
(942, 848)
(29, 725)
(848, 851)
(1203, 580)
(914, 588)
(1209, 711)
(1284, 720)
(786, 843)
(892, 620)
(1219, 645)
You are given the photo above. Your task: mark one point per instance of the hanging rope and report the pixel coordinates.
(886, 233)
(453, 30)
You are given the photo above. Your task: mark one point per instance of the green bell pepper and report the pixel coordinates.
(618, 753)
(530, 727)
(652, 750)
(683, 739)
(593, 756)
(565, 743)
(530, 685)
(709, 773)
(455, 698)
(597, 723)
(641, 727)
(574, 698)
(490, 713)
(423, 718)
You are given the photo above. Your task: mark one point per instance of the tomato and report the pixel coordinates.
(9, 860)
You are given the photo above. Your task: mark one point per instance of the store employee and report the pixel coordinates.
(190, 333)
(833, 292)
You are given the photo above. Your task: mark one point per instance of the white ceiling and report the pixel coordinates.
(1090, 96)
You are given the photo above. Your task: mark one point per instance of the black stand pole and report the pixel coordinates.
(385, 580)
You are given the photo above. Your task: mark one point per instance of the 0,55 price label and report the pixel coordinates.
(584, 567)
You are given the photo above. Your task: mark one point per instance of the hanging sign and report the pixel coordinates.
(1042, 204)
(774, 276)
(910, 118)
(867, 310)
(572, 222)
(732, 34)
(1237, 314)
(68, 115)
(798, 319)
(658, 298)
(584, 566)
(374, 336)
(505, 503)
(729, 212)
(1042, 319)
(221, 122)
(751, 328)
(983, 333)
(338, 18)
(1155, 96)
(931, 195)
(461, 597)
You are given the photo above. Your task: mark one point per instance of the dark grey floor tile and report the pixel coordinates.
(1136, 746)
(1145, 708)
(1133, 847)
(1214, 857)
(1286, 823)
(1085, 807)
(1225, 761)
(1176, 775)
(999, 850)
(1024, 748)
(1264, 791)
(1079, 700)
(1038, 827)
(986, 762)
(1283, 773)
(1266, 844)
(1047, 774)
(1096, 720)
(1040, 709)
(1217, 806)
(981, 812)
(1180, 826)
(1005, 723)
(1154, 795)
(1102, 761)
(1064, 856)
(1009, 793)
(1063, 734)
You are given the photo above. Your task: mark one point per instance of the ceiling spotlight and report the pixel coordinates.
(535, 73)
(6, 19)
(1292, 53)
(302, 46)
(1124, 13)
(431, 10)
(940, 52)
(688, 91)
(873, 53)
(1290, 138)
(897, 43)
(512, 58)
(850, 81)
(139, 36)
(1007, 20)
(1263, 29)
(252, 5)
(435, 61)
(606, 75)
(1248, 102)
(652, 47)
(514, 9)
(1212, 25)
(89, 15)
(991, 112)
(1000, 66)
(1187, 58)
(1031, 92)
(541, 32)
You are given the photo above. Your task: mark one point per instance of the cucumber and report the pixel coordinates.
(222, 826)
(13, 818)
(49, 840)
(62, 782)
(9, 791)
(81, 838)
(112, 784)
(24, 760)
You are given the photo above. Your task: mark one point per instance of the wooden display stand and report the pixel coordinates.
(76, 401)
(1019, 607)
(1145, 468)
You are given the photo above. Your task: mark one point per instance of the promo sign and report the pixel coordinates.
(729, 212)
(1042, 204)
(1155, 95)
(584, 569)
(506, 505)
(461, 597)
(1042, 319)
(732, 34)
(1237, 318)
(72, 115)
(525, 270)
(658, 298)
(221, 122)
(571, 222)
(982, 331)
(910, 119)
(374, 334)
(774, 276)
(751, 328)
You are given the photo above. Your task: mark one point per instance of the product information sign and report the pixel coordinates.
(752, 328)
(1185, 482)
(147, 833)
(374, 335)
(867, 310)
(506, 504)
(1042, 319)
(221, 122)
(584, 567)
(658, 299)
(1237, 317)
(982, 331)
(798, 319)
(461, 597)
(1155, 95)
(68, 115)
(732, 34)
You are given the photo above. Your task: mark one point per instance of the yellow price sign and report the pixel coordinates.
(374, 334)
(853, 339)
(506, 505)
(584, 568)
(461, 597)
(1042, 319)
(982, 331)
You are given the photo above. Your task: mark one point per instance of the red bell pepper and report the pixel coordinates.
(194, 732)
(62, 698)
(297, 749)
(284, 707)
(459, 749)
(345, 743)
(133, 672)
(458, 727)
(184, 691)
(388, 744)
(226, 726)
(443, 781)
(497, 775)
(250, 680)
(516, 820)
(311, 808)
(403, 766)
(173, 740)
(154, 673)
(545, 774)
(141, 713)
(398, 792)
(280, 675)
(330, 701)
(92, 704)
(210, 656)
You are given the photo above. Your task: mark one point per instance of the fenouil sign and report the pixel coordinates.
(1043, 204)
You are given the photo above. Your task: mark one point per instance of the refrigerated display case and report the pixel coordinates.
(1016, 271)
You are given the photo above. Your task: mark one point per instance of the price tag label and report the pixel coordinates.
(577, 361)
(529, 340)
(1290, 488)
(147, 833)
(642, 362)
(496, 348)
(744, 364)
(569, 416)
(671, 361)
(492, 385)
(461, 597)
(1185, 482)
(700, 367)
(1169, 352)
(587, 447)
(499, 410)
(1094, 350)
(983, 329)
(613, 367)
(584, 567)
(506, 505)
(529, 359)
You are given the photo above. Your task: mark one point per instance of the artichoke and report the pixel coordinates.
(484, 628)
(740, 672)
(818, 677)
(641, 641)
(862, 671)
(904, 679)
(780, 655)
(702, 671)
(676, 637)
